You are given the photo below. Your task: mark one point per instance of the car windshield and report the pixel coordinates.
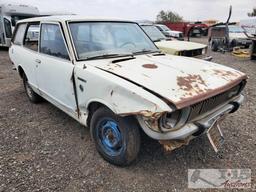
(99, 39)
(153, 32)
(164, 27)
(235, 29)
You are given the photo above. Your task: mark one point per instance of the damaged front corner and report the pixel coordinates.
(170, 145)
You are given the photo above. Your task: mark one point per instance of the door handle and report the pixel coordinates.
(38, 61)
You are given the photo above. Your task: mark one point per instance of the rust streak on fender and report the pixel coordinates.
(144, 113)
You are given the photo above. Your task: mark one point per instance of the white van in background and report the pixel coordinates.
(9, 15)
(249, 25)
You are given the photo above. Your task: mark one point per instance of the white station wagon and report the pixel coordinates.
(108, 75)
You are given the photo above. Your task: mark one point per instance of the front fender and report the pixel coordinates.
(121, 96)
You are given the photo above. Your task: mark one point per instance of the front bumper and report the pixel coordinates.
(244, 42)
(197, 127)
(207, 58)
(204, 57)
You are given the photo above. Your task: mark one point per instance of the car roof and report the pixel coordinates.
(160, 25)
(63, 18)
(146, 24)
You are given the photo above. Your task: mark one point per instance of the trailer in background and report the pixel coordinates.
(55, 13)
(9, 15)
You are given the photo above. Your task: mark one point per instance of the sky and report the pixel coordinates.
(190, 10)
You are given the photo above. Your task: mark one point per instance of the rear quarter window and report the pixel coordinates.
(32, 37)
(19, 34)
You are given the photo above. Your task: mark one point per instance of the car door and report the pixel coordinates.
(28, 53)
(24, 51)
(55, 69)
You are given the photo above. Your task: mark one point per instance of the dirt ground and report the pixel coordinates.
(43, 149)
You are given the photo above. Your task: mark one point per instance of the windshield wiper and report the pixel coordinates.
(160, 39)
(145, 51)
(109, 55)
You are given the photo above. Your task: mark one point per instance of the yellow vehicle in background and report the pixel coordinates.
(175, 47)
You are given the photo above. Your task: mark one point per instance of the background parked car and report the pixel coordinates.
(249, 25)
(174, 47)
(170, 33)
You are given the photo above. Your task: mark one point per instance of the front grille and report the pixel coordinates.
(192, 53)
(211, 103)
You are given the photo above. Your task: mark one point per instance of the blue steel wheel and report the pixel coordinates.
(116, 138)
(110, 137)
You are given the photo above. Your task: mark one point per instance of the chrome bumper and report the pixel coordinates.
(204, 57)
(208, 58)
(194, 128)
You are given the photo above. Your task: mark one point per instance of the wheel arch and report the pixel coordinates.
(21, 71)
(94, 105)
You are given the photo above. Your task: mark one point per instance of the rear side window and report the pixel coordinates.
(32, 37)
(8, 28)
(19, 35)
(52, 42)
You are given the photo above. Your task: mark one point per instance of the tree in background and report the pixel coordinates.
(170, 16)
(253, 13)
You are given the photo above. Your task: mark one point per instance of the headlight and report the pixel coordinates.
(170, 120)
(174, 120)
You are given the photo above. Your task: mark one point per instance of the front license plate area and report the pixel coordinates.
(215, 137)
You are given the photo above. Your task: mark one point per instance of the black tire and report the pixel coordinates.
(214, 46)
(117, 139)
(233, 44)
(33, 96)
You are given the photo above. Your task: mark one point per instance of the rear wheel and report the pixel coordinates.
(117, 139)
(33, 96)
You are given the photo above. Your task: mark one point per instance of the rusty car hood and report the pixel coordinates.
(172, 47)
(180, 80)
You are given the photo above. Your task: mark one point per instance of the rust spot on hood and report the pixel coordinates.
(192, 83)
(227, 75)
(211, 92)
(150, 66)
